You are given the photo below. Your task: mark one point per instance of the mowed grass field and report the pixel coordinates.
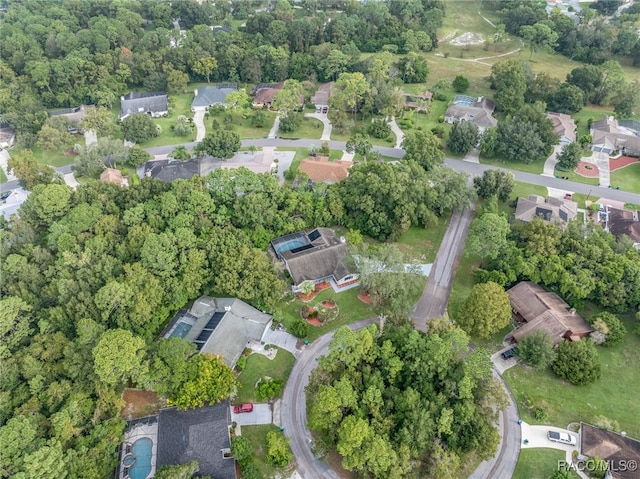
(259, 366)
(627, 178)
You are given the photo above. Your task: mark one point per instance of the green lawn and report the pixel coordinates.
(258, 366)
(257, 436)
(627, 178)
(178, 105)
(536, 167)
(614, 396)
(349, 309)
(3, 177)
(577, 178)
(538, 463)
(592, 112)
(242, 126)
(310, 128)
(53, 158)
(420, 245)
(361, 123)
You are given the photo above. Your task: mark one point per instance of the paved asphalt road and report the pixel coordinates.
(294, 404)
(473, 169)
(433, 302)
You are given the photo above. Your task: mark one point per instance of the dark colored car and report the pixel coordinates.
(509, 353)
(239, 408)
(5, 195)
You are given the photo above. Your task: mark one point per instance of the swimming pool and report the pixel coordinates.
(141, 452)
(181, 330)
(463, 103)
(289, 245)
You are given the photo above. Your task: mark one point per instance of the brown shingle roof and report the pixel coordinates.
(111, 175)
(321, 98)
(563, 125)
(546, 311)
(624, 222)
(611, 446)
(320, 169)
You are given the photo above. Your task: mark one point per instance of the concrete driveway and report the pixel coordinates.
(502, 364)
(198, 120)
(326, 124)
(282, 339)
(261, 415)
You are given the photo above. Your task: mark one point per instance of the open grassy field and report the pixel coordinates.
(257, 436)
(3, 177)
(538, 463)
(310, 128)
(566, 403)
(259, 366)
(242, 126)
(52, 158)
(420, 245)
(363, 123)
(627, 178)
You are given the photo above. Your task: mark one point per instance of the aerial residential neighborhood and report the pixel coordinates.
(320, 239)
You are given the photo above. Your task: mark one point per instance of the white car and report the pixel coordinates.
(562, 437)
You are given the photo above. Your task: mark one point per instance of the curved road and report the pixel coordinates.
(294, 403)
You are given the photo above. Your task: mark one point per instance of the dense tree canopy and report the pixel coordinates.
(577, 361)
(486, 310)
(384, 415)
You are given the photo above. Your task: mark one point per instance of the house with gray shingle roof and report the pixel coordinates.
(476, 110)
(211, 95)
(317, 256)
(609, 136)
(154, 104)
(200, 434)
(220, 326)
(564, 126)
(556, 210)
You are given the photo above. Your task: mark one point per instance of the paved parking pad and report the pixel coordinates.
(261, 415)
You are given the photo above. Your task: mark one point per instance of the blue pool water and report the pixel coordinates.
(463, 103)
(181, 330)
(141, 449)
(289, 245)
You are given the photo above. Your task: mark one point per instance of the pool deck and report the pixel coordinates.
(132, 435)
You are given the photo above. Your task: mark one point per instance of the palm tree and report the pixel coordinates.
(180, 153)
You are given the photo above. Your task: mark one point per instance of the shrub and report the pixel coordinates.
(540, 414)
(611, 326)
(242, 363)
(460, 84)
(290, 122)
(269, 389)
(438, 131)
(379, 129)
(299, 328)
(536, 349)
(278, 452)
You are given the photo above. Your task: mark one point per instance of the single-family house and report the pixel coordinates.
(262, 162)
(619, 450)
(316, 256)
(608, 136)
(564, 127)
(551, 209)
(624, 222)
(417, 102)
(264, 94)
(74, 115)
(220, 326)
(211, 95)
(466, 108)
(321, 98)
(219, 29)
(111, 175)
(320, 170)
(540, 310)
(169, 170)
(7, 137)
(154, 104)
(174, 437)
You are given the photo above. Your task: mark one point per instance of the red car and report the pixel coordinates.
(238, 408)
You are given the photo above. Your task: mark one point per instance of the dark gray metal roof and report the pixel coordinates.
(212, 95)
(198, 434)
(169, 170)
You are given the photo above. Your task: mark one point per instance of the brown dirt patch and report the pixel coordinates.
(616, 164)
(140, 403)
(365, 298)
(322, 286)
(314, 322)
(329, 304)
(307, 297)
(588, 170)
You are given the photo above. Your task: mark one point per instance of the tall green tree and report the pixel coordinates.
(211, 382)
(119, 357)
(486, 310)
(536, 349)
(205, 66)
(139, 128)
(424, 148)
(488, 236)
(464, 136)
(577, 361)
(569, 156)
(29, 172)
(539, 37)
(509, 80)
(219, 144)
(494, 183)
